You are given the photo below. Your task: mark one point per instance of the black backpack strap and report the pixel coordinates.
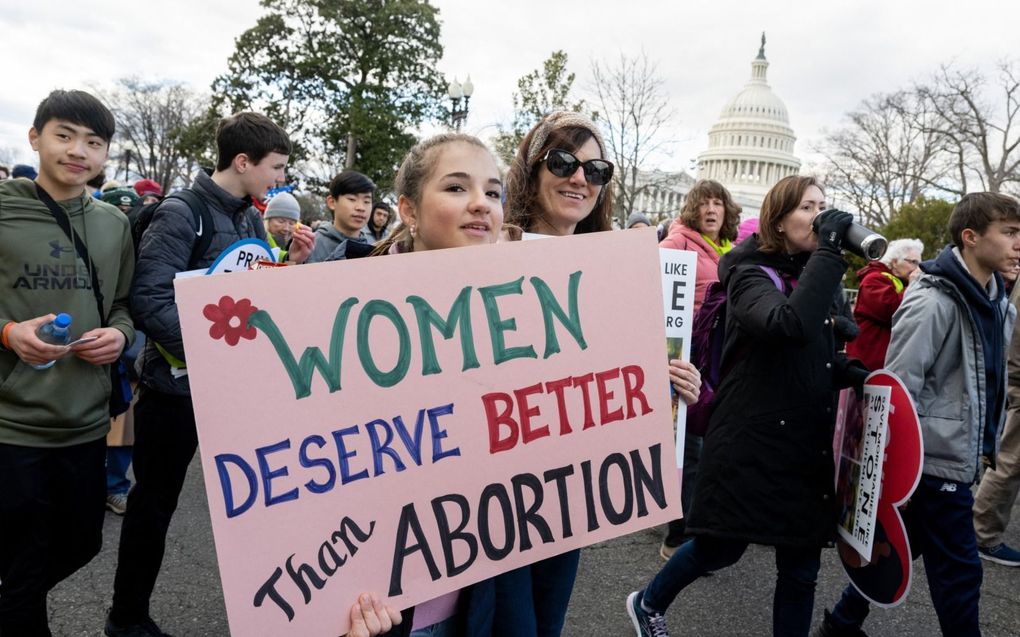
(255, 219)
(203, 222)
(63, 220)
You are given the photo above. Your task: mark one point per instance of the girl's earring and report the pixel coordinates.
(414, 230)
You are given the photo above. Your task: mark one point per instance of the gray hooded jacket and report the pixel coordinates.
(328, 239)
(938, 355)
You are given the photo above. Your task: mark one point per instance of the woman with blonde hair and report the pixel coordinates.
(449, 191)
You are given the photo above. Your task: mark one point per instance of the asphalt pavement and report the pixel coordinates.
(736, 602)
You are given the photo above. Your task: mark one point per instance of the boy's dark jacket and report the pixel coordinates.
(164, 251)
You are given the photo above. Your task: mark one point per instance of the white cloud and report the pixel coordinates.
(824, 57)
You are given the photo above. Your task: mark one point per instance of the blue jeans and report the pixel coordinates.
(530, 601)
(794, 598)
(444, 628)
(940, 526)
(118, 459)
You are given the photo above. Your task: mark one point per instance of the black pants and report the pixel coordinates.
(51, 524)
(165, 443)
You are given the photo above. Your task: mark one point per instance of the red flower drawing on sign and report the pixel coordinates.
(230, 320)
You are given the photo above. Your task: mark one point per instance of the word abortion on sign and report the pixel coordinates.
(463, 421)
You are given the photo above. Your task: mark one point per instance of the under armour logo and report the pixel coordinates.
(948, 487)
(57, 249)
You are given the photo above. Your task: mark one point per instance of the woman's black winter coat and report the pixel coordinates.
(766, 473)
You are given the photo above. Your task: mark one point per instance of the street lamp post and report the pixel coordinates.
(458, 92)
(127, 164)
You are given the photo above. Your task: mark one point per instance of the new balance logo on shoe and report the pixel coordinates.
(1000, 554)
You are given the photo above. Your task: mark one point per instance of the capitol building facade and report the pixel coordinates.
(750, 148)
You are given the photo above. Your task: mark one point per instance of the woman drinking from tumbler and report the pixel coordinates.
(766, 474)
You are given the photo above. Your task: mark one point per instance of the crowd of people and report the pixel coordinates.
(759, 472)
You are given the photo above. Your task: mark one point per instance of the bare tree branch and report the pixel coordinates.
(151, 117)
(978, 116)
(634, 112)
(886, 155)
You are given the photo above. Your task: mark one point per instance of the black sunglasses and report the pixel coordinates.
(561, 163)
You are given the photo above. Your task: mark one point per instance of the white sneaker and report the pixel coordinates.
(117, 502)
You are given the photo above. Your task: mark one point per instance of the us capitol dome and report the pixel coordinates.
(750, 147)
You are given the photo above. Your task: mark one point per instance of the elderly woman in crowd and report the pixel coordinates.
(881, 291)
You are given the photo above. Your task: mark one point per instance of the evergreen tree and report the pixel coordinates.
(539, 93)
(329, 69)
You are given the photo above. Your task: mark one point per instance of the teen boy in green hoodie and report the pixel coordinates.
(53, 422)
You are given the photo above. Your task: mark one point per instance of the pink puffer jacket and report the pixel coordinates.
(681, 237)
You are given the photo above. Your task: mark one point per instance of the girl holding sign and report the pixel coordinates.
(449, 195)
(766, 474)
(559, 184)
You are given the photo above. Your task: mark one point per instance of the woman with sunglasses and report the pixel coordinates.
(766, 474)
(559, 184)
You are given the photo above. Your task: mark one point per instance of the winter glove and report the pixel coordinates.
(845, 328)
(857, 373)
(849, 372)
(831, 226)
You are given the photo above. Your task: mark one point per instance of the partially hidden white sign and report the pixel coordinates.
(678, 269)
(863, 449)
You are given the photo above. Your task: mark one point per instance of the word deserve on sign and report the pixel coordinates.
(412, 424)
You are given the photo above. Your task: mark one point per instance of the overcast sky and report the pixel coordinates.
(824, 56)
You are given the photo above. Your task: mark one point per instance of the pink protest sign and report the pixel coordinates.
(412, 424)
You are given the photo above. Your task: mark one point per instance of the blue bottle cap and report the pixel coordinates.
(62, 321)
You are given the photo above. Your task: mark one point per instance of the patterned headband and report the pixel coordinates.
(562, 119)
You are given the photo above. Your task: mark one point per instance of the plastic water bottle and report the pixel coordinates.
(56, 332)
